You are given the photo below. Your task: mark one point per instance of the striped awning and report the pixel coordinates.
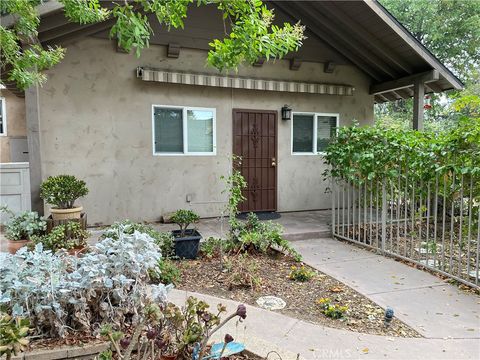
(242, 83)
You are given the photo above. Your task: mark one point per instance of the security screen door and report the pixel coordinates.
(255, 141)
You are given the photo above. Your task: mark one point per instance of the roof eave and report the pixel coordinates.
(408, 37)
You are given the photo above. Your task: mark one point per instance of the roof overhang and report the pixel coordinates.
(374, 41)
(363, 32)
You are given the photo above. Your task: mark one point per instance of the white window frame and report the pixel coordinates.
(185, 131)
(4, 116)
(315, 124)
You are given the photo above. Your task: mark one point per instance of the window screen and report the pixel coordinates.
(325, 131)
(302, 134)
(200, 130)
(168, 130)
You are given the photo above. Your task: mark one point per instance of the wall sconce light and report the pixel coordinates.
(286, 112)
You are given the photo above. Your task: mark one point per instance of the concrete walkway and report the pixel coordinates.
(296, 225)
(264, 331)
(435, 309)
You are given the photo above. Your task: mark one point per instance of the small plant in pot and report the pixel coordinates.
(69, 237)
(186, 240)
(20, 229)
(61, 192)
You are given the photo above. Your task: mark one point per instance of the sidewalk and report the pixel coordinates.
(429, 305)
(264, 331)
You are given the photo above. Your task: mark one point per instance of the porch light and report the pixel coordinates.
(286, 112)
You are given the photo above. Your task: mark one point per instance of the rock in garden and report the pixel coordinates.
(271, 302)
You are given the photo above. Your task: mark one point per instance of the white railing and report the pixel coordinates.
(434, 223)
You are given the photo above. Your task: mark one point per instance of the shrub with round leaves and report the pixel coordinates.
(61, 191)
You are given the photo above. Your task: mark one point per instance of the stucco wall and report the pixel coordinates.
(15, 113)
(96, 123)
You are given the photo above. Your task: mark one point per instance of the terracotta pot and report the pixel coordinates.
(168, 357)
(14, 245)
(66, 214)
(78, 251)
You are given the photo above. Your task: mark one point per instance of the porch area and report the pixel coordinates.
(299, 225)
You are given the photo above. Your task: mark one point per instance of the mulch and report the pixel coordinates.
(364, 316)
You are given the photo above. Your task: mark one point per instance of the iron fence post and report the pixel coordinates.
(384, 215)
(333, 205)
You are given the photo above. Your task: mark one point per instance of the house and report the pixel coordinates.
(153, 134)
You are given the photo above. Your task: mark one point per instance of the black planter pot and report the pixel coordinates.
(187, 247)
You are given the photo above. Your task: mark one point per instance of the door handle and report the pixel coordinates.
(274, 162)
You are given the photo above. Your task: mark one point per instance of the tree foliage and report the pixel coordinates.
(252, 33)
(450, 30)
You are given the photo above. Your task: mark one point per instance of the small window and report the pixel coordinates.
(311, 132)
(3, 117)
(183, 130)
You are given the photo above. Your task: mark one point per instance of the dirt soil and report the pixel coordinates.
(364, 316)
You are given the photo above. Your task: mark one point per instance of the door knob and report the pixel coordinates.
(274, 162)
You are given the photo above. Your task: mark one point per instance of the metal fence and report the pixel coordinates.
(433, 223)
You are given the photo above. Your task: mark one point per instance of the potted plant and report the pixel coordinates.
(186, 240)
(70, 237)
(61, 192)
(21, 228)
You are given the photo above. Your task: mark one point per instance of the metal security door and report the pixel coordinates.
(255, 141)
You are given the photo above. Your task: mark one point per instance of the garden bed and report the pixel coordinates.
(206, 276)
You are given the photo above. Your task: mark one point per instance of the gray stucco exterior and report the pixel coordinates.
(96, 123)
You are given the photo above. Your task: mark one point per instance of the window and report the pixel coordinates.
(183, 130)
(3, 117)
(311, 132)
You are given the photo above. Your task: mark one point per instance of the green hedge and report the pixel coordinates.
(364, 154)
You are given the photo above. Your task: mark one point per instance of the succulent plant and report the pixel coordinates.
(13, 335)
(61, 191)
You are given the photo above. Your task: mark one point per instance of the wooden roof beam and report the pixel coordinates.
(380, 98)
(389, 96)
(403, 93)
(434, 87)
(407, 81)
(365, 35)
(338, 35)
(81, 31)
(283, 7)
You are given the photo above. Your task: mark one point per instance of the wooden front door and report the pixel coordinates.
(255, 141)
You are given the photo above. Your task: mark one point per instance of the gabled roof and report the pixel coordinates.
(373, 40)
(362, 32)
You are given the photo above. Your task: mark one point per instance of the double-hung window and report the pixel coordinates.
(311, 132)
(3, 118)
(183, 131)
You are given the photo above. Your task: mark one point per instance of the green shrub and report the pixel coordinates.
(242, 271)
(61, 191)
(163, 239)
(13, 335)
(166, 272)
(24, 225)
(333, 311)
(183, 218)
(66, 236)
(260, 236)
(360, 154)
(213, 247)
(301, 273)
